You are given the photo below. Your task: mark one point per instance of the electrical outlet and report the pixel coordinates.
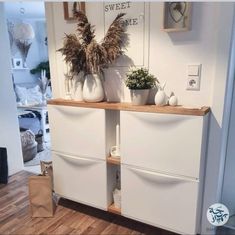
(193, 83)
(194, 77)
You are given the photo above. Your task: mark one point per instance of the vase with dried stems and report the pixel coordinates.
(23, 34)
(88, 57)
(24, 50)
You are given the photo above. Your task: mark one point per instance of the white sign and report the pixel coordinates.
(135, 22)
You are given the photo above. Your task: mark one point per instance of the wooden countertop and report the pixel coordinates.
(136, 108)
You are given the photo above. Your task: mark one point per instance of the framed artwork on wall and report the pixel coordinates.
(17, 63)
(68, 9)
(177, 16)
(137, 24)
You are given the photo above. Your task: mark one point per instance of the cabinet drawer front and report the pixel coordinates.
(78, 131)
(80, 179)
(161, 200)
(162, 142)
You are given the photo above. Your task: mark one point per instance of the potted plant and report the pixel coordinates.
(139, 81)
(44, 65)
(87, 58)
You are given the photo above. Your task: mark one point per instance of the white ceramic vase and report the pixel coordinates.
(93, 90)
(77, 89)
(139, 97)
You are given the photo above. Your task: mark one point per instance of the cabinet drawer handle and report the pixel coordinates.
(78, 160)
(160, 178)
(74, 113)
(160, 119)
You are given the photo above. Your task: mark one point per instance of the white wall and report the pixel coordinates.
(170, 53)
(9, 128)
(216, 142)
(208, 43)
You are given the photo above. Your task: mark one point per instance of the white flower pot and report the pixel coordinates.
(139, 97)
(93, 90)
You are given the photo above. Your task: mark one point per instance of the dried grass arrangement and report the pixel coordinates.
(23, 48)
(84, 54)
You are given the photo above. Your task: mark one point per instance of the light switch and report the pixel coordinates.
(194, 70)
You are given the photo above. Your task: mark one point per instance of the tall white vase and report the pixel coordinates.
(93, 90)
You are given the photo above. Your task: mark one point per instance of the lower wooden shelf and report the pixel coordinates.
(114, 209)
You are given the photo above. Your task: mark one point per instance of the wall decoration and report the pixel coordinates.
(69, 8)
(23, 35)
(10, 27)
(17, 63)
(24, 50)
(177, 16)
(137, 22)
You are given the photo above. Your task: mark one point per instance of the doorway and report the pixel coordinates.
(26, 24)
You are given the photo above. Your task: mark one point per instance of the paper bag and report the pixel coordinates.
(40, 196)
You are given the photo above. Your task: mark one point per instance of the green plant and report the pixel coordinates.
(42, 66)
(140, 79)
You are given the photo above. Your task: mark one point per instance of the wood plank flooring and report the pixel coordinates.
(70, 217)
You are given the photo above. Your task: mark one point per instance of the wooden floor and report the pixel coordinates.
(70, 217)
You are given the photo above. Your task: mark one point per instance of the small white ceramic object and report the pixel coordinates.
(161, 98)
(115, 151)
(117, 198)
(173, 101)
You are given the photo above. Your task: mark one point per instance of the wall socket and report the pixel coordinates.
(194, 77)
(193, 83)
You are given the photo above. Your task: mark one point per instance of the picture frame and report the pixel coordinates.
(17, 63)
(177, 16)
(68, 9)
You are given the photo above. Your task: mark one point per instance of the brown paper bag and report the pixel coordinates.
(40, 196)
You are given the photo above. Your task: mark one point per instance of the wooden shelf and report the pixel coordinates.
(113, 160)
(114, 209)
(20, 68)
(169, 30)
(136, 108)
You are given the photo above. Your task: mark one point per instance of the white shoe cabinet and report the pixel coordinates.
(162, 160)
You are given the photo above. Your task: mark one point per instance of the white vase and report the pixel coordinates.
(77, 89)
(117, 198)
(44, 99)
(93, 90)
(139, 97)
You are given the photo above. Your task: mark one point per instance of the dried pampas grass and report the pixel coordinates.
(23, 48)
(114, 39)
(84, 54)
(74, 53)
